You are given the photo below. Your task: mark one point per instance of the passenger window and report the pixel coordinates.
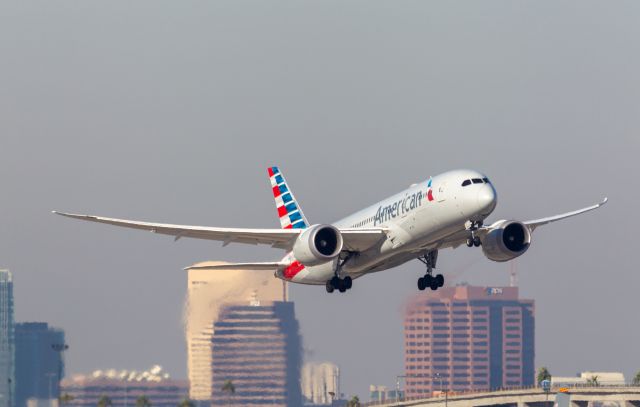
(466, 182)
(477, 181)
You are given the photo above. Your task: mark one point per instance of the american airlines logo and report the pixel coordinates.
(409, 203)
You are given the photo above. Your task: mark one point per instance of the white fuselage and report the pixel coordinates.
(418, 219)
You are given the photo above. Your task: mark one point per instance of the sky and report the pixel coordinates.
(171, 111)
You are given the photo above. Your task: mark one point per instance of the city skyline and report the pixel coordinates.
(172, 112)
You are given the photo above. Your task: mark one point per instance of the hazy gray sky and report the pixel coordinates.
(171, 111)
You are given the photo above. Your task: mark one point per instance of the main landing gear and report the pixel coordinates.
(474, 240)
(429, 280)
(337, 283)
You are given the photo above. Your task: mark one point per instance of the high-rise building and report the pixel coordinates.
(468, 338)
(320, 383)
(123, 388)
(257, 355)
(7, 343)
(207, 291)
(39, 362)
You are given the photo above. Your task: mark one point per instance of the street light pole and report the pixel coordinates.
(446, 391)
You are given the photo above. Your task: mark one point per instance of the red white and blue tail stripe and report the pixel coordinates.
(291, 216)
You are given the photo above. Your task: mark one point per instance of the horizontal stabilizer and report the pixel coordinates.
(240, 266)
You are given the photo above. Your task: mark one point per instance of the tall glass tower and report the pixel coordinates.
(7, 341)
(39, 362)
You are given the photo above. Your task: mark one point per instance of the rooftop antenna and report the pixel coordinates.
(513, 274)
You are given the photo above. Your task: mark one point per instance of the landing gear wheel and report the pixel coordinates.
(470, 242)
(476, 241)
(335, 282)
(421, 284)
(329, 287)
(348, 282)
(429, 259)
(434, 284)
(428, 279)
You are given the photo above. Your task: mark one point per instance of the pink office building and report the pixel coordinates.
(468, 338)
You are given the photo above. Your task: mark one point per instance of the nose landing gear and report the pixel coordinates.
(474, 240)
(429, 280)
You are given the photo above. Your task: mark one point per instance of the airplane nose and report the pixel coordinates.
(486, 199)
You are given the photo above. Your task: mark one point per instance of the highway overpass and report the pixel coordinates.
(625, 396)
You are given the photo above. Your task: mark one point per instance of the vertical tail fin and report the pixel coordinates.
(289, 211)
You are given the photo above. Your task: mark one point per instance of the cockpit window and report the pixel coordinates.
(466, 182)
(477, 181)
(486, 180)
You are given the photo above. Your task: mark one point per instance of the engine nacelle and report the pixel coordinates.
(506, 240)
(317, 244)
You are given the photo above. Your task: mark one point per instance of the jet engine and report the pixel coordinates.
(317, 244)
(506, 240)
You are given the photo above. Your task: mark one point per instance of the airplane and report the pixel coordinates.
(444, 211)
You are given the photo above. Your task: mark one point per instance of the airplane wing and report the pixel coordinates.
(359, 240)
(354, 239)
(533, 224)
(460, 237)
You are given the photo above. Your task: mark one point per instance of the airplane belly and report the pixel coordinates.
(314, 274)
